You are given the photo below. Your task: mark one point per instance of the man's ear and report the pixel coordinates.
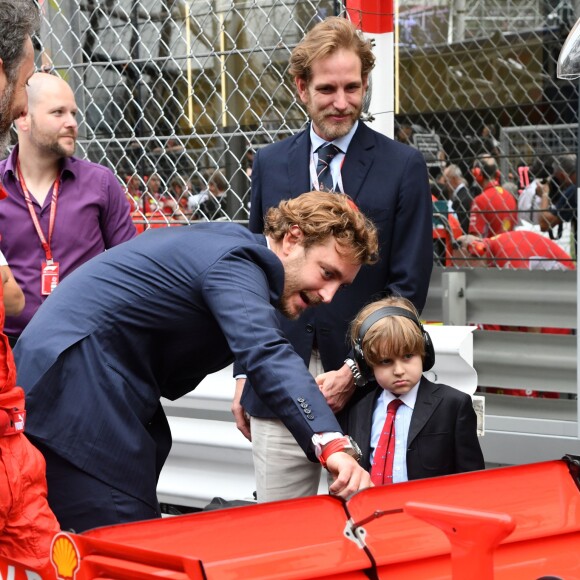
(292, 238)
(302, 88)
(22, 123)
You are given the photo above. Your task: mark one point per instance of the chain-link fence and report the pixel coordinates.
(479, 79)
(176, 95)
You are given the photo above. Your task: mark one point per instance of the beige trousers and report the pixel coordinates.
(282, 470)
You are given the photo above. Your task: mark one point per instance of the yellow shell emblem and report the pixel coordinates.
(65, 557)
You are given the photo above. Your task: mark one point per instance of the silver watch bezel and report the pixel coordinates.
(359, 380)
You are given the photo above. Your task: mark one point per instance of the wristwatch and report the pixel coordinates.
(346, 444)
(359, 380)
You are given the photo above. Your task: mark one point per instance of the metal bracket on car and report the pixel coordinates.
(356, 534)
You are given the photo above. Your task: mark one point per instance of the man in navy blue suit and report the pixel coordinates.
(388, 181)
(151, 318)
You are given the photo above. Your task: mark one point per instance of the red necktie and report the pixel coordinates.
(382, 470)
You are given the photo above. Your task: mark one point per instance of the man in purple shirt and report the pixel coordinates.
(60, 211)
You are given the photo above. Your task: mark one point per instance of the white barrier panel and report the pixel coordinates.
(211, 458)
(208, 459)
(453, 357)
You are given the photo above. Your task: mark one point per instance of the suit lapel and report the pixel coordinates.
(425, 405)
(299, 164)
(358, 160)
(361, 425)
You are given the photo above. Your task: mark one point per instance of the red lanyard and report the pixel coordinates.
(44, 242)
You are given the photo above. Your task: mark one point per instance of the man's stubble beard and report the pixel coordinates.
(53, 147)
(332, 131)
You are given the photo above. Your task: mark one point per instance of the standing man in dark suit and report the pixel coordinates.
(389, 183)
(94, 362)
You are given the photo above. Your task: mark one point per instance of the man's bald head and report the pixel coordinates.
(50, 128)
(44, 86)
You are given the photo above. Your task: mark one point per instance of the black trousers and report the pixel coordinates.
(81, 502)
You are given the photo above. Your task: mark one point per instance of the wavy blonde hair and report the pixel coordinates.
(324, 39)
(319, 215)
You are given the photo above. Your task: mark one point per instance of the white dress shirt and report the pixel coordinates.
(402, 424)
(335, 165)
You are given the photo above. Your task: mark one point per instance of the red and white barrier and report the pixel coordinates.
(376, 20)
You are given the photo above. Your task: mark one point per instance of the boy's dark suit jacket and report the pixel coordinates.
(442, 435)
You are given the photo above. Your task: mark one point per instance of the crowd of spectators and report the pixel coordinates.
(541, 198)
(485, 219)
(539, 195)
(157, 202)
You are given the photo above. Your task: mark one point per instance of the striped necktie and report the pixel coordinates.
(326, 154)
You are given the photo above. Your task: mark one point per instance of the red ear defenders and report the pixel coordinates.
(477, 175)
(480, 175)
(365, 370)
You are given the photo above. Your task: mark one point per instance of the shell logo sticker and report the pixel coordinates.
(64, 557)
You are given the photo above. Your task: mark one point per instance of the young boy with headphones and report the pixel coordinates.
(407, 426)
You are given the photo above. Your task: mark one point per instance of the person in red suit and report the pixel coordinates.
(494, 210)
(519, 249)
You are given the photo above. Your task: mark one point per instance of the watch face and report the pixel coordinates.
(360, 381)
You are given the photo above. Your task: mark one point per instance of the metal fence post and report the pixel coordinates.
(453, 297)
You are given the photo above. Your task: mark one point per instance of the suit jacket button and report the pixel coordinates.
(300, 399)
(309, 328)
(304, 405)
(308, 411)
(311, 417)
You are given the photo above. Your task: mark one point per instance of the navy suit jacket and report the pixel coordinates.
(442, 434)
(388, 181)
(150, 318)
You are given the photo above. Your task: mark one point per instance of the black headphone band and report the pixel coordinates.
(383, 313)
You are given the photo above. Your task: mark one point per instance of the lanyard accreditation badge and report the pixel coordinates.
(49, 269)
